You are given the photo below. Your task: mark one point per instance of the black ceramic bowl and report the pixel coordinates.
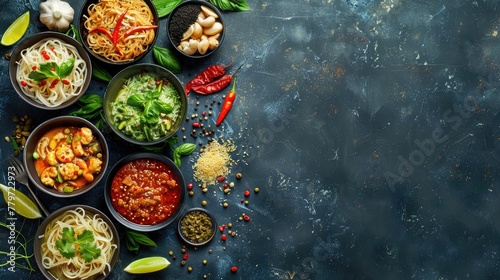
(39, 239)
(177, 25)
(84, 32)
(40, 131)
(134, 191)
(116, 85)
(31, 41)
(197, 221)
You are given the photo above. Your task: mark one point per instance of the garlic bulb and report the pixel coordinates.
(56, 14)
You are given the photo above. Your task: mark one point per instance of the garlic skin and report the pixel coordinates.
(57, 15)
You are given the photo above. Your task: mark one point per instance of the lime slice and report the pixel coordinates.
(16, 30)
(20, 203)
(147, 265)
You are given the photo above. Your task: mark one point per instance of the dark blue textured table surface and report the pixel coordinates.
(370, 127)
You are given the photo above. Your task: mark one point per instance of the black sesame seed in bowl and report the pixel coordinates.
(196, 29)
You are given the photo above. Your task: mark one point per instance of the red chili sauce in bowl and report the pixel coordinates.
(145, 192)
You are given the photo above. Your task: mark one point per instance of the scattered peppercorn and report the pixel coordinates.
(246, 193)
(256, 190)
(239, 175)
(223, 237)
(234, 269)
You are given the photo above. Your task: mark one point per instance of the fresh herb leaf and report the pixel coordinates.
(100, 73)
(185, 149)
(86, 247)
(65, 68)
(231, 5)
(177, 159)
(136, 100)
(52, 70)
(91, 107)
(164, 7)
(89, 250)
(167, 59)
(140, 238)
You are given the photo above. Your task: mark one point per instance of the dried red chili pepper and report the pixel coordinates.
(206, 76)
(227, 105)
(217, 85)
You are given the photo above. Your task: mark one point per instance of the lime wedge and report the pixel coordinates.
(20, 203)
(147, 265)
(16, 30)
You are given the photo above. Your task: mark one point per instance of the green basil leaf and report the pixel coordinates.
(231, 5)
(89, 111)
(164, 7)
(161, 107)
(37, 76)
(185, 149)
(151, 114)
(90, 98)
(136, 100)
(101, 73)
(151, 95)
(65, 68)
(167, 59)
(177, 159)
(141, 238)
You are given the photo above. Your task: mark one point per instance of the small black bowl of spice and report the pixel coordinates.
(197, 226)
(195, 28)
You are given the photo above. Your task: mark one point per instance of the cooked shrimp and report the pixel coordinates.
(64, 153)
(68, 171)
(47, 176)
(76, 144)
(51, 158)
(86, 172)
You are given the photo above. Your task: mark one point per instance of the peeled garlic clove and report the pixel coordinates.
(202, 15)
(191, 48)
(203, 46)
(209, 12)
(216, 36)
(215, 29)
(197, 31)
(213, 44)
(188, 33)
(207, 22)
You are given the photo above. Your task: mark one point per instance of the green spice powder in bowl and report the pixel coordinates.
(197, 227)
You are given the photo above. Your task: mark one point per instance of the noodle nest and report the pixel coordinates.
(76, 267)
(52, 91)
(105, 15)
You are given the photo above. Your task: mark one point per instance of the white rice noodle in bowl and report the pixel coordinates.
(77, 267)
(51, 72)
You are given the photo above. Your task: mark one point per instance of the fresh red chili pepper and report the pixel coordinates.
(227, 105)
(206, 76)
(118, 25)
(104, 31)
(217, 85)
(54, 83)
(138, 29)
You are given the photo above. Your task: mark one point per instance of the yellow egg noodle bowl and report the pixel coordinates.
(76, 267)
(125, 44)
(48, 92)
